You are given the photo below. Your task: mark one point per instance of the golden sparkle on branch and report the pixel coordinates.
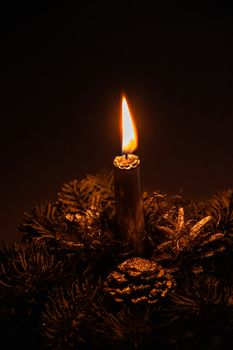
(129, 132)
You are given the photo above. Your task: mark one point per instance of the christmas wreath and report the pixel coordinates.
(72, 283)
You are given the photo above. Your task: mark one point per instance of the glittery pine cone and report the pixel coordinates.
(139, 280)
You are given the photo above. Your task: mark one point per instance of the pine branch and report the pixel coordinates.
(43, 221)
(27, 269)
(93, 191)
(125, 329)
(48, 223)
(221, 209)
(68, 313)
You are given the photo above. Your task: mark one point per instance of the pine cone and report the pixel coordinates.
(185, 236)
(139, 280)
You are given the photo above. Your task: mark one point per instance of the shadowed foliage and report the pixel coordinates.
(72, 283)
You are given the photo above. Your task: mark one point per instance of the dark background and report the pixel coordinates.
(63, 70)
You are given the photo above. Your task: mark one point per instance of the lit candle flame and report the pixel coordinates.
(129, 132)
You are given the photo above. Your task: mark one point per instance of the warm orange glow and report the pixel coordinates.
(129, 133)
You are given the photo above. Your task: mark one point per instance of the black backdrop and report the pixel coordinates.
(63, 70)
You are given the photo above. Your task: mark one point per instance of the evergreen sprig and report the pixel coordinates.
(93, 191)
(27, 268)
(203, 309)
(125, 329)
(221, 209)
(68, 314)
(45, 221)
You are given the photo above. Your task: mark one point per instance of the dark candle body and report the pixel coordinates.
(128, 199)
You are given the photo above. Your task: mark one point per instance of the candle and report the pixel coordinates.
(128, 197)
